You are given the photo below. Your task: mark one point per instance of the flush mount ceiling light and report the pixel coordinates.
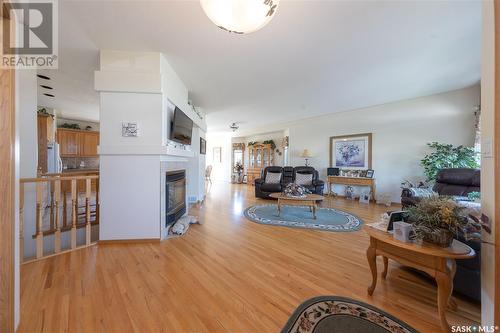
(234, 127)
(240, 16)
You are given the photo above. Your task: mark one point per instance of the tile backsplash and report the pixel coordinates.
(75, 162)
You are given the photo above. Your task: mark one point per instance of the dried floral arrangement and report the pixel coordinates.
(294, 190)
(439, 219)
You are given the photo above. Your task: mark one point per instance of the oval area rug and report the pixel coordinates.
(328, 219)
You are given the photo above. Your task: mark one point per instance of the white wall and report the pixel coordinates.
(129, 197)
(488, 164)
(221, 169)
(141, 108)
(196, 169)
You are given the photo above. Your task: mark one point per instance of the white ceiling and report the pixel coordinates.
(314, 57)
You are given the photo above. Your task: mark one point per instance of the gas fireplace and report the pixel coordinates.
(175, 195)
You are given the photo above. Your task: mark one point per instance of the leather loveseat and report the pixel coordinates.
(457, 182)
(288, 175)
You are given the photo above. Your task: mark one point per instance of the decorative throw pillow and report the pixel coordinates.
(304, 179)
(273, 177)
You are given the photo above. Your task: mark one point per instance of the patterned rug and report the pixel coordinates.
(334, 314)
(328, 219)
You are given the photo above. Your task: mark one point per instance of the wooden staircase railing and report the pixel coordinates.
(57, 189)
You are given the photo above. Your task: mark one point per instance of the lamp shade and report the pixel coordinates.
(240, 16)
(306, 153)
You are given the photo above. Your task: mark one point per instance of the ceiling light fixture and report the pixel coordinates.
(240, 16)
(234, 127)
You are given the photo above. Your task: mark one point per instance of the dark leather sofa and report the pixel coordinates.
(288, 174)
(459, 183)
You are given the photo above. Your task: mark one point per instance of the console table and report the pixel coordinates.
(355, 181)
(436, 261)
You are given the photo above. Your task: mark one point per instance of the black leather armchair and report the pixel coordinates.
(317, 185)
(263, 189)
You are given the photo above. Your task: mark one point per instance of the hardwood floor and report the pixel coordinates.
(227, 275)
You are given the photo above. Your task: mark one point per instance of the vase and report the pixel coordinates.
(440, 237)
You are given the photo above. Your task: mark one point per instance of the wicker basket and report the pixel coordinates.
(440, 237)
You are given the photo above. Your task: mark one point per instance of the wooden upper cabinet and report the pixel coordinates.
(68, 142)
(77, 143)
(89, 143)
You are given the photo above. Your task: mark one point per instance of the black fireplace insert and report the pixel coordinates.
(175, 195)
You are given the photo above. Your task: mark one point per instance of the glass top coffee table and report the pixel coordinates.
(309, 200)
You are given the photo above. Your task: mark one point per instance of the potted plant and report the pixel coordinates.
(270, 142)
(439, 220)
(238, 168)
(447, 156)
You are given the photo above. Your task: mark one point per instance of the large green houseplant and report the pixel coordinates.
(447, 156)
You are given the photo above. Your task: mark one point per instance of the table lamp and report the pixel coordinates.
(306, 154)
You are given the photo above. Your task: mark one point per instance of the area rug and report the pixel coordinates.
(334, 314)
(328, 219)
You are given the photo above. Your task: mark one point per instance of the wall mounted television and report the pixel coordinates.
(182, 128)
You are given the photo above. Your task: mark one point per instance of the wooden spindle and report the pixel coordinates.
(97, 200)
(65, 209)
(88, 192)
(39, 217)
(21, 222)
(57, 233)
(51, 184)
(73, 213)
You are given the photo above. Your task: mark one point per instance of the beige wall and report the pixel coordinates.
(488, 163)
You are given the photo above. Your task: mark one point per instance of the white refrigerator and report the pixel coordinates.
(54, 162)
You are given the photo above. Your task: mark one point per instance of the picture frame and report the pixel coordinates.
(129, 130)
(370, 173)
(353, 152)
(217, 154)
(203, 146)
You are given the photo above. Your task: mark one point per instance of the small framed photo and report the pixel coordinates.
(203, 146)
(365, 197)
(362, 173)
(129, 130)
(369, 173)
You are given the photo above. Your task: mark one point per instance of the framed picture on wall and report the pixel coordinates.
(217, 154)
(203, 146)
(353, 152)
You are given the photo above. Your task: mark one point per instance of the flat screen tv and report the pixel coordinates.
(182, 128)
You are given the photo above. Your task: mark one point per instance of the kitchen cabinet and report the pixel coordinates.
(68, 142)
(76, 143)
(88, 143)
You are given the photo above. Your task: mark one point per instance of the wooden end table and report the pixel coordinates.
(310, 200)
(436, 261)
